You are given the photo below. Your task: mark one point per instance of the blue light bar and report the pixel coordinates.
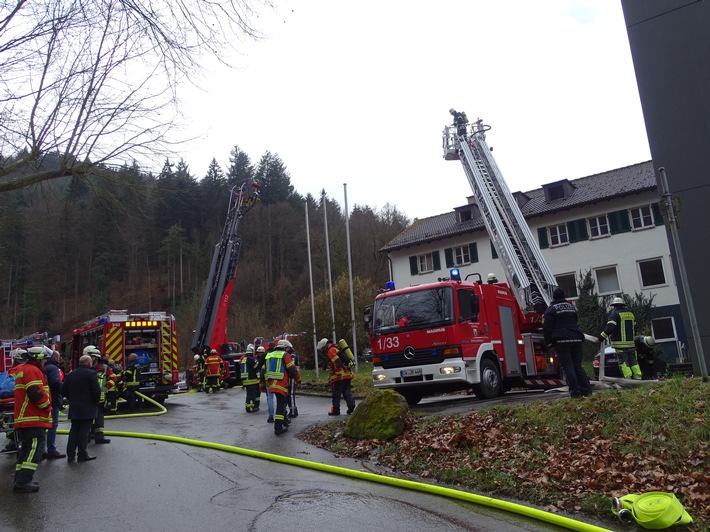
(390, 285)
(455, 274)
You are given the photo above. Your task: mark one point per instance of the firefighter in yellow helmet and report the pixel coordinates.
(620, 330)
(107, 381)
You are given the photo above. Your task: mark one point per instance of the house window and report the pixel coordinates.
(462, 255)
(641, 218)
(651, 272)
(663, 329)
(598, 226)
(558, 235)
(568, 283)
(607, 280)
(426, 263)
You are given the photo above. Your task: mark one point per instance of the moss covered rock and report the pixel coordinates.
(380, 415)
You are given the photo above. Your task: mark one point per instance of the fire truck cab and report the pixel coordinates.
(152, 336)
(455, 335)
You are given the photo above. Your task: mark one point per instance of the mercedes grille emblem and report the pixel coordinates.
(409, 352)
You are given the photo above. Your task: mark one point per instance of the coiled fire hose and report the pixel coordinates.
(481, 500)
(654, 510)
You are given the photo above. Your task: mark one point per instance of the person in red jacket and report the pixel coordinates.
(213, 369)
(33, 416)
(341, 376)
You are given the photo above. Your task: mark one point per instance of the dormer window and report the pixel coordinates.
(558, 190)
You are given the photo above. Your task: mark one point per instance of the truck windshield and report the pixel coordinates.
(414, 310)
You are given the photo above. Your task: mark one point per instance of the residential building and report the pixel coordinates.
(609, 223)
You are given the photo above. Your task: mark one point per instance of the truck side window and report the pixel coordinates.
(468, 305)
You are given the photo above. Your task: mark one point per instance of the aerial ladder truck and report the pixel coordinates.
(457, 334)
(211, 329)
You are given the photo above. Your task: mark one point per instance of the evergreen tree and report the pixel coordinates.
(592, 314)
(240, 168)
(274, 179)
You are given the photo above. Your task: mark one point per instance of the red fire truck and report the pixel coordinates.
(32, 340)
(152, 336)
(457, 334)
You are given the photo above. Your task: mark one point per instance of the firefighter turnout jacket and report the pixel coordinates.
(279, 367)
(338, 369)
(33, 404)
(107, 380)
(621, 329)
(213, 365)
(247, 368)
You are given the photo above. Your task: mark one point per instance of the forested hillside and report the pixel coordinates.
(77, 246)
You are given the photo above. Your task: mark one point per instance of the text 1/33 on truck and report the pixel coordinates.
(152, 336)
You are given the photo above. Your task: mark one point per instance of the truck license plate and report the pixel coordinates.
(416, 372)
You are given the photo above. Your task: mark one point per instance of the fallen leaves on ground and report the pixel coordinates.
(521, 464)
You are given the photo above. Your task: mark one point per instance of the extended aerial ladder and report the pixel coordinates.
(211, 329)
(527, 272)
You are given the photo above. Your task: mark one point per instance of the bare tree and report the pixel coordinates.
(93, 83)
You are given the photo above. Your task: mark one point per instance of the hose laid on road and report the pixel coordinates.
(520, 509)
(482, 500)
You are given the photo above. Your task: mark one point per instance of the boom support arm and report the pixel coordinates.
(525, 267)
(211, 329)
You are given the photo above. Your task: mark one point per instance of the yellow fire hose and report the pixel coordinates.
(490, 502)
(654, 510)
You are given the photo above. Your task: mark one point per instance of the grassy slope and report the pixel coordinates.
(571, 454)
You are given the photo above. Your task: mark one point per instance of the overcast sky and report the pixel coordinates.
(359, 93)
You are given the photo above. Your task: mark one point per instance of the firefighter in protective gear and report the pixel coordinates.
(131, 381)
(279, 368)
(111, 392)
(250, 379)
(213, 369)
(620, 330)
(107, 382)
(33, 416)
(291, 399)
(341, 376)
(651, 366)
(460, 121)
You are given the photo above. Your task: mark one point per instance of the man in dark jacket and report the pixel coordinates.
(81, 388)
(51, 370)
(562, 332)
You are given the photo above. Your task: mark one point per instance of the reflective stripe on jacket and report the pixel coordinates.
(621, 329)
(213, 365)
(33, 405)
(279, 367)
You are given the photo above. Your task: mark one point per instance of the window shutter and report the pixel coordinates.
(657, 216)
(577, 230)
(473, 250)
(413, 265)
(494, 255)
(619, 222)
(449, 257)
(542, 237)
(436, 260)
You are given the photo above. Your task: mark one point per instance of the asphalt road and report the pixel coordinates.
(139, 484)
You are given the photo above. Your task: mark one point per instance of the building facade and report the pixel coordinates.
(608, 223)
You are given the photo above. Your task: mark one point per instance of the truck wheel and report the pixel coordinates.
(411, 396)
(490, 385)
